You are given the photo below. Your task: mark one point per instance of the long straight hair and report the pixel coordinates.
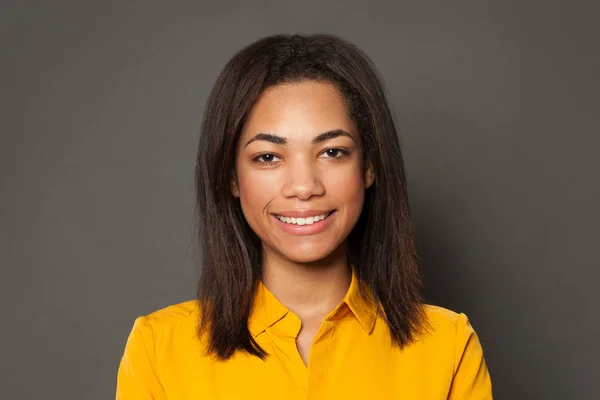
(381, 245)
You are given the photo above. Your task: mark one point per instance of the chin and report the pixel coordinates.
(308, 252)
(303, 258)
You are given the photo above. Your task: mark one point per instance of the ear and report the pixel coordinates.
(235, 189)
(369, 175)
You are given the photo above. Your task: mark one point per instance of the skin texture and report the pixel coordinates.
(308, 273)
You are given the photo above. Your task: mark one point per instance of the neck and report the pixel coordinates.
(309, 290)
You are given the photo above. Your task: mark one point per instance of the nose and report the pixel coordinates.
(303, 181)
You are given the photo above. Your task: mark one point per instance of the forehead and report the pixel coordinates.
(298, 110)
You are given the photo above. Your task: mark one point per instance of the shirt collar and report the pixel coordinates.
(267, 310)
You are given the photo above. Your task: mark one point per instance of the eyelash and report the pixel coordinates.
(341, 154)
(258, 157)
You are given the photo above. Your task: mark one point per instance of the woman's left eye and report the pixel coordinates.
(334, 153)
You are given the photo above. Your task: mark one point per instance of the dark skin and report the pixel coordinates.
(300, 156)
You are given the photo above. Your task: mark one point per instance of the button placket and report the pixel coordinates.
(318, 361)
(283, 334)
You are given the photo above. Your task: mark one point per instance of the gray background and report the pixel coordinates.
(101, 105)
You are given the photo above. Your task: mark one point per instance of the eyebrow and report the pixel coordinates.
(269, 137)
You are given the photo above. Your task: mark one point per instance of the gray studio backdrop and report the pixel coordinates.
(101, 105)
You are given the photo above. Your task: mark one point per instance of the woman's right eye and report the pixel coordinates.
(266, 158)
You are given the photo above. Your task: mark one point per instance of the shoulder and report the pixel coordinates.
(452, 337)
(441, 341)
(174, 321)
(157, 342)
(173, 314)
(444, 328)
(441, 319)
(441, 314)
(450, 330)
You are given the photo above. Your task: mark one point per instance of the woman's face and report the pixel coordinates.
(299, 169)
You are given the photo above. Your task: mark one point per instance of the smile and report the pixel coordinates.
(303, 221)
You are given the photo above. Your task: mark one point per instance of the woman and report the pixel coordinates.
(310, 285)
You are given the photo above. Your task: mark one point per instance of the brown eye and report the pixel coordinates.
(334, 153)
(266, 158)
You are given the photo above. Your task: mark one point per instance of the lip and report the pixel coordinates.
(302, 213)
(305, 230)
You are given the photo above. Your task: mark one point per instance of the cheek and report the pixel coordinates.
(256, 192)
(348, 188)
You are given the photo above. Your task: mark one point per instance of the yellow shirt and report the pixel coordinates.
(351, 358)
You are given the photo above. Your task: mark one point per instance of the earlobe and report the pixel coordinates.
(235, 189)
(369, 176)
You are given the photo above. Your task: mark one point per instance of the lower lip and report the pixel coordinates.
(303, 230)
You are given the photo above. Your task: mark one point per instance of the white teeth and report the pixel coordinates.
(302, 221)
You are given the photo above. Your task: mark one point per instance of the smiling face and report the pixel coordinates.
(299, 171)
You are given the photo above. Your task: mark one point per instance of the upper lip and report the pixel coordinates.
(302, 213)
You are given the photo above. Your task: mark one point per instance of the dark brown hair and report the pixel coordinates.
(381, 245)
